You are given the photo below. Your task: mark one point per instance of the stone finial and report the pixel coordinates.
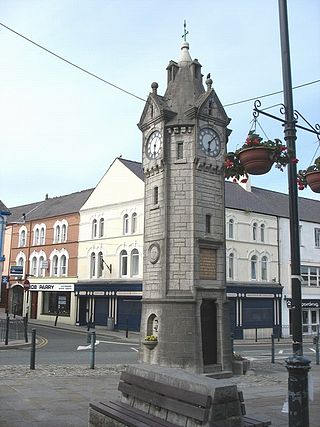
(154, 87)
(209, 82)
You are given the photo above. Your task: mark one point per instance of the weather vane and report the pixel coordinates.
(185, 32)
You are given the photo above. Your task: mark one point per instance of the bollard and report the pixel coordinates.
(25, 325)
(127, 328)
(33, 349)
(316, 343)
(272, 348)
(7, 330)
(56, 320)
(93, 349)
(232, 346)
(256, 334)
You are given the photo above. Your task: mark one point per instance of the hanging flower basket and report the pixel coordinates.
(256, 160)
(256, 157)
(310, 176)
(313, 180)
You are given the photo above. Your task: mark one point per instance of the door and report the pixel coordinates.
(83, 311)
(129, 314)
(209, 331)
(101, 311)
(34, 305)
(17, 300)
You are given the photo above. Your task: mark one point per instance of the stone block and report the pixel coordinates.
(226, 394)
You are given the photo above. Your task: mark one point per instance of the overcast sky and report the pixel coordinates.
(61, 128)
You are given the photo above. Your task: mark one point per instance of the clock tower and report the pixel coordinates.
(184, 137)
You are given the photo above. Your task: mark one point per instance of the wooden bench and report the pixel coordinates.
(167, 397)
(164, 398)
(250, 421)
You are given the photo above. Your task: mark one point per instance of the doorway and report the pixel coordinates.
(209, 331)
(34, 305)
(17, 300)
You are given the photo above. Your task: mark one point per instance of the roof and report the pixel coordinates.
(269, 202)
(135, 167)
(50, 207)
(3, 209)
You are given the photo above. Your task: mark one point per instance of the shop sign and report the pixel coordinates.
(306, 303)
(16, 270)
(69, 287)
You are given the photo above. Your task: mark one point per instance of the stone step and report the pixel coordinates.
(219, 374)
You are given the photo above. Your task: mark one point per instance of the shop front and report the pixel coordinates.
(111, 304)
(255, 310)
(49, 301)
(310, 315)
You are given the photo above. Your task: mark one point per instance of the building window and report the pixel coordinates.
(64, 233)
(231, 266)
(42, 234)
(262, 232)
(63, 265)
(22, 239)
(317, 237)
(101, 227)
(34, 266)
(54, 301)
(264, 268)
(57, 234)
(254, 231)
(231, 228)
(100, 264)
(134, 262)
(134, 223)
(310, 275)
(180, 150)
(94, 229)
(55, 266)
(126, 224)
(123, 263)
(93, 265)
(41, 272)
(208, 224)
(156, 195)
(36, 236)
(253, 266)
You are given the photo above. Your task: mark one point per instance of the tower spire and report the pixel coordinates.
(185, 32)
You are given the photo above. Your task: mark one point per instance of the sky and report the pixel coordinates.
(62, 128)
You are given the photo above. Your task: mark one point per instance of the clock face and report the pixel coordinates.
(209, 142)
(154, 145)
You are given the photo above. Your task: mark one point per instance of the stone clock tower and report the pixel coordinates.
(184, 301)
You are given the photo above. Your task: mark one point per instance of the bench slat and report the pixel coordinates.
(192, 397)
(153, 419)
(253, 422)
(117, 415)
(162, 401)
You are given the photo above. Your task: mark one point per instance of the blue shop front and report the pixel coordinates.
(114, 304)
(255, 310)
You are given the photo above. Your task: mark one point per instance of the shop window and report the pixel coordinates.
(54, 301)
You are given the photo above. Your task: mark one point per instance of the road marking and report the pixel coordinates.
(280, 351)
(135, 349)
(312, 349)
(87, 347)
(119, 343)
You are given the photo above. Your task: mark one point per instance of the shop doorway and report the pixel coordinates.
(17, 300)
(209, 331)
(34, 305)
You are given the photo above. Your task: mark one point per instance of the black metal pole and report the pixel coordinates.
(6, 339)
(93, 349)
(297, 365)
(33, 349)
(272, 348)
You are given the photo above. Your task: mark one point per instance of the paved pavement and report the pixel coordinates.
(59, 396)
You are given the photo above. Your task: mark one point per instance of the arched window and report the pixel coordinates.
(134, 223)
(57, 234)
(126, 224)
(42, 233)
(93, 265)
(231, 266)
(100, 264)
(20, 261)
(262, 229)
(231, 228)
(94, 229)
(63, 233)
(264, 268)
(253, 263)
(254, 231)
(36, 236)
(123, 263)
(63, 265)
(101, 227)
(34, 266)
(41, 272)
(55, 265)
(22, 240)
(134, 262)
